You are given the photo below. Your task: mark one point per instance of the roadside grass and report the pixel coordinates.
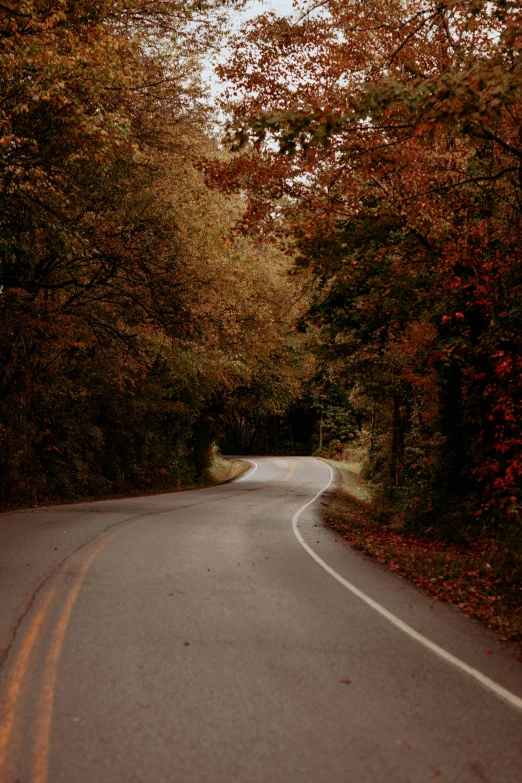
(222, 470)
(480, 578)
(351, 475)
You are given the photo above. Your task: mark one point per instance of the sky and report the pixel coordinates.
(280, 6)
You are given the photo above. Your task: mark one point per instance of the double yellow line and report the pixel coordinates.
(290, 472)
(22, 668)
(24, 662)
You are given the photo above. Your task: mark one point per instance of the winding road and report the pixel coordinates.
(226, 635)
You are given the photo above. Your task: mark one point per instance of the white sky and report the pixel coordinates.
(280, 6)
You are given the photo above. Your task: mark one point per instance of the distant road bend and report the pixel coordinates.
(226, 635)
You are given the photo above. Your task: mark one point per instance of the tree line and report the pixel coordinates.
(131, 316)
(380, 142)
(344, 269)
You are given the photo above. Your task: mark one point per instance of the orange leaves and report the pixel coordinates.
(411, 215)
(124, 289)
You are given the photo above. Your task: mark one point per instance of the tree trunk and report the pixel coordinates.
(396, 424)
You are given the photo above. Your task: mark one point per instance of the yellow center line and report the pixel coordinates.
(16, 679)
(292, 468)
(42, 739)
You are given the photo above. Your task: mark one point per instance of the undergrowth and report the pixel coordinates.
(480, 577)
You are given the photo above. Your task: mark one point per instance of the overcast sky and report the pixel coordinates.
(281, 6)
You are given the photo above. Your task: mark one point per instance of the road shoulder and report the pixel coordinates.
(474, 577)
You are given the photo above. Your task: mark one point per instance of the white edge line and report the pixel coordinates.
(250, 472)
(486, 682)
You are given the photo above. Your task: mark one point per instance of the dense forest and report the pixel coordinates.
(132, 318)
(341, 270)
(381, 142)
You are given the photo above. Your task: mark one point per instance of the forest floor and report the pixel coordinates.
(480, 577)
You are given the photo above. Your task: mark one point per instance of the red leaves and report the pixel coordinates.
(446, 318)
(411, 156)
(476, 577)
(504, 367)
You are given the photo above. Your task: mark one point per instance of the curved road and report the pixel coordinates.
(225, 635)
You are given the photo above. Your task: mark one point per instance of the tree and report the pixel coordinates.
(397, 182)
(126, 304)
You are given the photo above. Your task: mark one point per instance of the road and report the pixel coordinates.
(226, 635)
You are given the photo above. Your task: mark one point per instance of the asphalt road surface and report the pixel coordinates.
(225, 635)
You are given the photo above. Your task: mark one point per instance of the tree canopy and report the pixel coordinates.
(351, 253)
(129, 311)
(381, 140)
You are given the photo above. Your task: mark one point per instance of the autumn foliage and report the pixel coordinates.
(129, 315)
(380, 141)
(146, 306)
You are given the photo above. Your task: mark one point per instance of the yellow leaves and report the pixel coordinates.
(125, 223)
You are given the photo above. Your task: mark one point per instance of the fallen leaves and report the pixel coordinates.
(474, 578)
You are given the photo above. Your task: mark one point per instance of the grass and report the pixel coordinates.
(480, 578)
(223, 470)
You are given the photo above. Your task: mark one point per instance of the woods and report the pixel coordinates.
(381, 142)
(260, 391)
(127, 307)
